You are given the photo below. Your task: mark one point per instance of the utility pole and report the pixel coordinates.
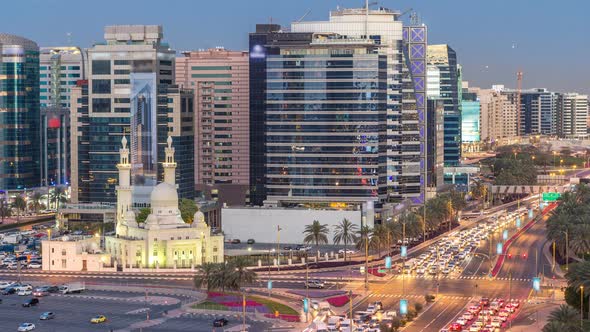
(278, 248)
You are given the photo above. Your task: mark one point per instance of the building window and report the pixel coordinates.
(52, 262)
(214, 259)
(101, 86)
(52, 250)
(214, 249)
(101, 105)
(101, 67)
(122, 62)
(63, 252)
(63, 263)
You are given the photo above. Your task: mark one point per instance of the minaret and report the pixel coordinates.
(124, 190)
(169, 164)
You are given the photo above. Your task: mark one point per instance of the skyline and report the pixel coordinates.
(489, 53)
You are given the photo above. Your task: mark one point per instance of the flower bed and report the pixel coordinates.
(376, 273)
(338, 301)
(233, 302)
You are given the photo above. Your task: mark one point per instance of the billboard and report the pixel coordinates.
(499, 248)
(388, 262)
(403, 307)
(404, 251)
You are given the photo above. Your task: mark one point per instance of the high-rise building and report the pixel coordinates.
(60, 69)
(338, 110)
(129, 92)
(19, 113)
(435, 146)
(538, 112)
(470, 119)
(444, 58)
(572, 115)
(220, 80)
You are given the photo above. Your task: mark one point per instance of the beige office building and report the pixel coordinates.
(220, 80)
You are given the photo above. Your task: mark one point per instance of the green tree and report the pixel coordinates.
(204, 276)
(143, 214)
(379, 238)
(344, 232)
(187, 208)
(20, 204)
(242, 274)
(35, 201)
(316, 233)
(564, 317)
(5, 210)
(480, 192)
(58, 196)
(363, 236)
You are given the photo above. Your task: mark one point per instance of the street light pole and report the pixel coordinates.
(581, 307)
(278, 248)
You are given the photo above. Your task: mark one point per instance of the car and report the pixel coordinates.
(467, 316)
(250, 241)
(24, 287)
(236, 241)
(348, 251)
(24, 292)
(47, 315)
(8, 291)
(26, 327)
(40, 292)
(220, 322)
(6, 284)
(316, 284)
(484, 301)
(461, 321)
(34, 266)
(474, 329)
(31, 302)
(456, 327)
(287, 248)
(446, 270)
(496, 322)
(98, 319)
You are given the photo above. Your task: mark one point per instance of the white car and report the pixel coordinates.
(24, 292)
(348, 251)
(24, 288)
(5, 284)
(26, 327)
(34, 266)
(461, 321)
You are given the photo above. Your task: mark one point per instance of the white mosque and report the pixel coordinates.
(164, 240)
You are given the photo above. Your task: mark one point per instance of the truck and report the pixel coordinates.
(73, 287)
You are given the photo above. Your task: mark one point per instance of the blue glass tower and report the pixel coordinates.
(19, 113)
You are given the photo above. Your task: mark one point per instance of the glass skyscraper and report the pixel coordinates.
(338, 110)
(444, 58)
(19, 113)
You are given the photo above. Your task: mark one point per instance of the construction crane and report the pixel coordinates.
(518, 96)
(304, 15)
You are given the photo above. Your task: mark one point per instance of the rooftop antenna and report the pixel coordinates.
(304, 15)
(414, 19)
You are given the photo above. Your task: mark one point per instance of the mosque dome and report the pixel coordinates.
(164, 196)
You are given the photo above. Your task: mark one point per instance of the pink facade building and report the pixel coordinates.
(220, 80)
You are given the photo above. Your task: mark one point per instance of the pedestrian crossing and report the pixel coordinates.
(414, 296)
(460, 277)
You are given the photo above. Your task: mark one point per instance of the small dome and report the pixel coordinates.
(164, 196)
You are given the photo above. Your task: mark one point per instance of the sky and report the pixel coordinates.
(549, 40)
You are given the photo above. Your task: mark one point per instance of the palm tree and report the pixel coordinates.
(364, 234)
(58, 196)
(204, 276)
(4, 209)
(579, 275)
(379, 237)
(344, 232)
(35, 201)
(580, 240)
(564, 316)
(480, 192)
(316, 233)
(242, 274)
(20, 204)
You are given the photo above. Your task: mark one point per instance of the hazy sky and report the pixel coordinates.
(549, 40)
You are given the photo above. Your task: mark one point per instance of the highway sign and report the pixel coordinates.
(551, 196)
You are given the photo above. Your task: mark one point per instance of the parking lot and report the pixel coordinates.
(74, 312)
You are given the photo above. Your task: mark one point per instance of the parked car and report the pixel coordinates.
(34, 265)
(47, 315)
(236, 241)
(31, 302)
(250, 241)
(220, 322)
(8, 291)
